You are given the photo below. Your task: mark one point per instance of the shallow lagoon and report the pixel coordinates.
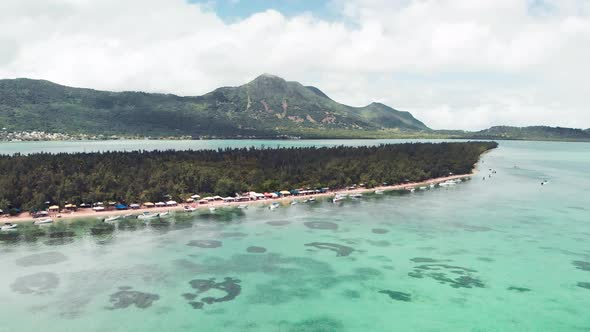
(501, 254)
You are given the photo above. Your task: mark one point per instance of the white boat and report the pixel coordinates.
(431, 185)
(357, 196)
(337, 198)
(273, 206)
(242, 206)
(8, 227)
(212, 209)
(422, 188)
(112, 219)
(294, 202)
(379, 191)
(411, 190)
(164, 214)
(43, 221)
(189, 209)
(147, 215)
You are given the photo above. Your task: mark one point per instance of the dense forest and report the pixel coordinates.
(27, 182)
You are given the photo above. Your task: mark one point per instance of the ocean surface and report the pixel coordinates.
(501, 254)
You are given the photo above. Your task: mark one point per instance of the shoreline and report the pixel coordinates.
(88, 213)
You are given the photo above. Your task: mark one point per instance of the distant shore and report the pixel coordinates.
(89, 213)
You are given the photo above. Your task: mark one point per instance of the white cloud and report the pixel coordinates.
(452, 63)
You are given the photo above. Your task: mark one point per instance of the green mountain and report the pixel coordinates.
(535, 133)
(267, 106)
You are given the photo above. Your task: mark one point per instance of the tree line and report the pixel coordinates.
(29, 181)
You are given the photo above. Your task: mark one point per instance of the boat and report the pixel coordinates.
(43, 221)
(294, 203)
(379, 191)
(431, 185)
(164, 214)
(357, 196)
(129, 216)
(8, 227)
(212, 209)
(422, 188)
(112, 219)
(411, 190)
(242, 206)
(337, 198)
(189, 209)
(148, 215)
(273, 206)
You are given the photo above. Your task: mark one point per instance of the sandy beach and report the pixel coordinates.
(89, 213)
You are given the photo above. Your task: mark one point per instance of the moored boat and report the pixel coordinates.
(43, 221)
(337, 198)
(379, 191)
(112, 219)
(8, 227)
(147, 215)
(189, 209)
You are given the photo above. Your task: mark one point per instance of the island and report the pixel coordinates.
(62, 182)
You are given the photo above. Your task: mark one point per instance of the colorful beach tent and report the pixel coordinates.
(121, 207)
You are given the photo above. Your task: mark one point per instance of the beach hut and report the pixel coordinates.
(70, 206)
(54, 208)
(148, 204)
(189, 200)
(209, 198)
(203, 201)
(195, 196)
(171, 203)
(285, 192)
(229, 199)
(218, 198)
(267, 195)
(160, 204)
(134, 206)
(121, 207)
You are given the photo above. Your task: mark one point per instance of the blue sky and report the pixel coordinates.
(230, 10)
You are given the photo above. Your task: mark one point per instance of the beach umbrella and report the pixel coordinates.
(189, 200)
(285, 192)
(54, 207)
(195, 196)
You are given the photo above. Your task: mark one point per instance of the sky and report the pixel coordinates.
(454, 64)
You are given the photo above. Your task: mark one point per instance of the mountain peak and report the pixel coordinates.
(268, 78)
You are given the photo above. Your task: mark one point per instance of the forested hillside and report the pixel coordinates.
(268, 106)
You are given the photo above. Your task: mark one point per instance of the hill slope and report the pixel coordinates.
(532, 133)
(266, 106)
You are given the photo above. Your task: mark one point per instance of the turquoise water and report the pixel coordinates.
(504, 254)
(130, 145)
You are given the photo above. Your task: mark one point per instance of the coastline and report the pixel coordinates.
(88, 213)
